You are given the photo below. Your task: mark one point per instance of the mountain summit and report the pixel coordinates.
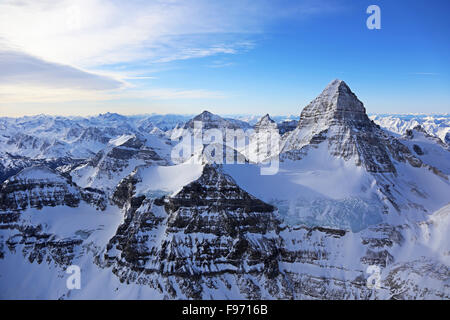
(335, 126)
(339, 117)
(337, 103)
(265, 123)
(213, 121)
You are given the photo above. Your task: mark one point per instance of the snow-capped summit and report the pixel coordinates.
(265, 119)
(206, 116)
(267, 125)
(336, 104)
(213, 121)
(338, 117)
(210, 227)
(111, 117)
(337, 101)
(265, 122)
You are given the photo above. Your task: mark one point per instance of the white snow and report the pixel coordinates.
(437, 125)
(169, 179)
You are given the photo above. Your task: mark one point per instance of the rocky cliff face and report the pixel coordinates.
(265, 141)
(287, 126)
(36, 188)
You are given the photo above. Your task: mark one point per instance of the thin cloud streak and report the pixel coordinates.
(425, 74)
(23, 69)
(52, 48)
(10, 95)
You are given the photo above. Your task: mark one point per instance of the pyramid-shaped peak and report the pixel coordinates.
(210, 121)
(266, 119)
(337, 83)
(206, 116)
(111, 116)
(219, 191)
(338, 88)
(265, 123)
(337, 102)
(206, 113)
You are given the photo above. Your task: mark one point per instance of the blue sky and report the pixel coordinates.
(255, 57)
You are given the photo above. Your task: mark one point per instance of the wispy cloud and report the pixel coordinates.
(19, 68)
(52, 50)
(11, 94)
(220, 63)
(425, 74)
(94, 32)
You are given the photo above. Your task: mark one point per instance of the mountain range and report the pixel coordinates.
(352, 193)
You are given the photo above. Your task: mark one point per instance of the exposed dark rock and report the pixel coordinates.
(287, 126)
(418, 150)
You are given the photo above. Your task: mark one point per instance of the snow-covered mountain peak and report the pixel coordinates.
(39, 186)
(106, 193)
(111, 117)
(334, 87)
(336, 124)
(336, 103)
(265, 120)
(266, 123)
(207, 116)
(336, 112)
(213, 121)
